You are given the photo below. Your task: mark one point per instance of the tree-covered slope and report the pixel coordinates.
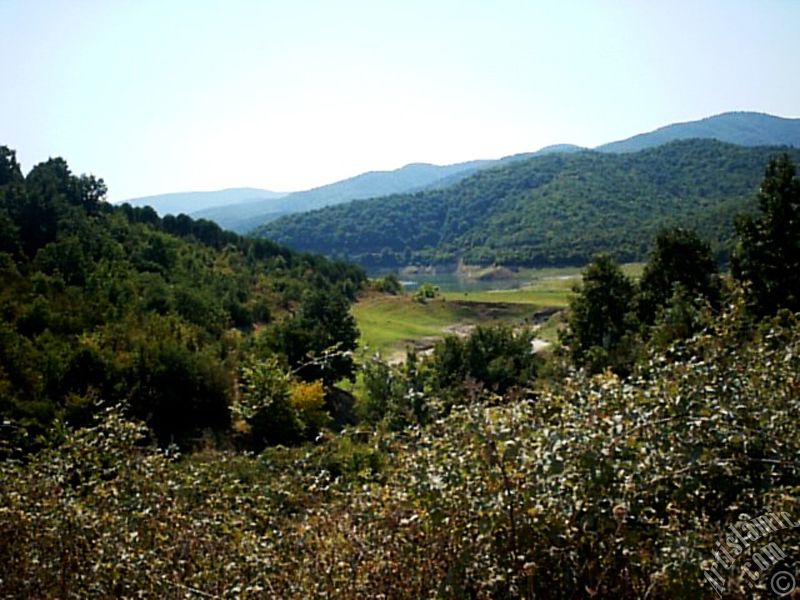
(246, 216)
(556, 209)
(243, 217)
(740, 128)
(115, 303)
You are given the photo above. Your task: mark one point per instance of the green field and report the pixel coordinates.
(547, 293)
(543, 287)
(391, 324)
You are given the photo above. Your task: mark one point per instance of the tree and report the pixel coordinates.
(499, 358)
(92, 193)
(767, 257)
(496, 357)
(389, 285)
(319, 339)
(679, 258)
(385, 393)
(10, 171)
(425, 292)
(600, 318)
(265, 404)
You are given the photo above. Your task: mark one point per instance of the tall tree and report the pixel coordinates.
(600, 317)
(679, 258)
(319, 339)
(767, 257)
(10, 171)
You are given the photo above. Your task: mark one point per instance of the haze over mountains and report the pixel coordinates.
(740, 128)
(191, 202)
(244, 209)
(243, 217)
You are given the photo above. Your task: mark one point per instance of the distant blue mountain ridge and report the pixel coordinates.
(244, 209)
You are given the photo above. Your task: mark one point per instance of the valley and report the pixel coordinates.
(392, 325)
(470, 296)
(174, 394)
(400, 300)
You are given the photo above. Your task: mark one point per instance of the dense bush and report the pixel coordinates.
(116, 303)
(599, 487)
(495, 357)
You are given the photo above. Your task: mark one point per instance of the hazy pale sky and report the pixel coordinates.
(166, 95)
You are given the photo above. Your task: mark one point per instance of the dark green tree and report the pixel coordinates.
(10, 171)
(386, 393)
(92, 193)
(767, 257)
(679, 258)
(494, 356)
(600, 316)
(500, 358)
(447, 365)
(319, 339)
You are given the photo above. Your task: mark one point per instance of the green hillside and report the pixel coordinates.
(555, 210)
(114, 304)
(246, 216)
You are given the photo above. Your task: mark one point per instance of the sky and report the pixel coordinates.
(169, 95)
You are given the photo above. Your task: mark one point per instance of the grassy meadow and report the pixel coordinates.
(390, 325)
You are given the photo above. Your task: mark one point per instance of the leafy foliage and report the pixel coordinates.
(600, 320)
(497, 358)
(116, 303)
(600, 486)
(318, 340)
(388, 284)
(679, 258)
(426, 291)
(768, 256)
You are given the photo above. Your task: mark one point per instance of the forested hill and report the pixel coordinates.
(115, 303)
(245, 217)
(549, 210)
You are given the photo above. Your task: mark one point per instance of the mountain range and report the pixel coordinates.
(244, 209)
(740, 128)
(246, 216)
(192, 202)
(552, 210)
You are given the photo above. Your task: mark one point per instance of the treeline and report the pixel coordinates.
(113, 303)
(553, 210)
(613, 321)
